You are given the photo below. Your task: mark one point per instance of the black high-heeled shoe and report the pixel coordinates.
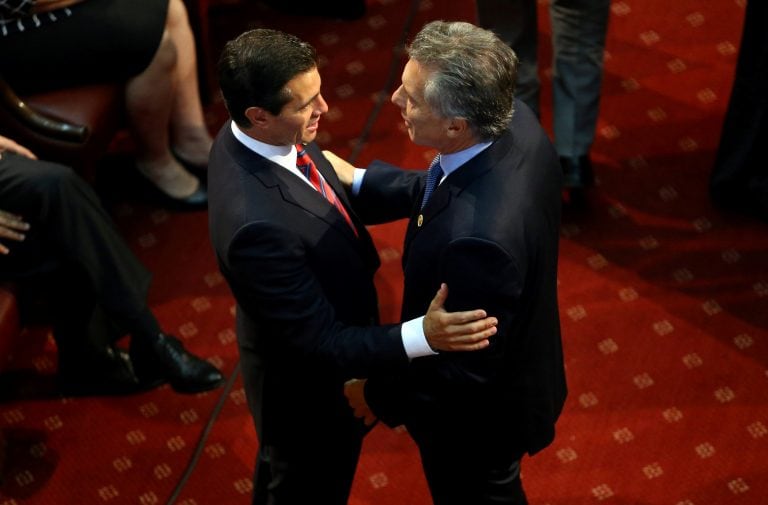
(196, 201)
(199, 171)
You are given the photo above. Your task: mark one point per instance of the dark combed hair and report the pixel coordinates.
(474, 75)
(255, 67)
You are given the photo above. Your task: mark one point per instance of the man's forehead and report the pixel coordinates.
(305, 83)
(413, 72)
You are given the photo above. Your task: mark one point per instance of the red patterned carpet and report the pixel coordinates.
(664, 298)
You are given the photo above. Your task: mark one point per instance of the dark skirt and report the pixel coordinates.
(94, 41)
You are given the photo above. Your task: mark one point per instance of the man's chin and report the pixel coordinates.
(308, 137)
(416, 140)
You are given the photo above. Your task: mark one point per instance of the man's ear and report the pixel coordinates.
(457, 127)
(258, 117)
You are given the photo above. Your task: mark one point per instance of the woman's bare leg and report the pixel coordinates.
(189, 135)
(149, 98)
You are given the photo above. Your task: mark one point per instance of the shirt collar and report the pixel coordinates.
(451, 162)
(284, 156)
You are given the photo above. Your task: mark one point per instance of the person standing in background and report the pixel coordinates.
(739, 179)
(579, 29)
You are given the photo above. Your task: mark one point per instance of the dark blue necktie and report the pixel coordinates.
(433, 179)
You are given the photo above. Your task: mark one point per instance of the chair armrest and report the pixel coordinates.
(40, 123)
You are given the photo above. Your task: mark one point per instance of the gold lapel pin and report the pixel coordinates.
(420, 220)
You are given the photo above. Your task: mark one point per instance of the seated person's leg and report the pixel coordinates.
(69, 227)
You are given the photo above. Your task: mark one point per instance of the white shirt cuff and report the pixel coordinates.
(414, 340)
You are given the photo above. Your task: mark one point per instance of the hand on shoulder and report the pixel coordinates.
(344, 170)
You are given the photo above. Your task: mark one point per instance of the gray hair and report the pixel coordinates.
(474, 75)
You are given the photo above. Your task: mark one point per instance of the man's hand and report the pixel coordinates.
(7, 144)
(456, 331)
(10, 226)
(354, 390)
(343, 168)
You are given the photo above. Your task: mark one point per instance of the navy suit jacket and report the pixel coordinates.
(304, 288)
(490, 231)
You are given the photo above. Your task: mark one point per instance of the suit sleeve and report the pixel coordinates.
(276, 286)
(388, 193)
(479, 273)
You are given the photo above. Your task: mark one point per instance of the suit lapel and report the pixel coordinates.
(454, 184)
(293, 190)
(363, 239)
(329, 174)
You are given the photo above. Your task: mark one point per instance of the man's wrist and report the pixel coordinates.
(414, 340)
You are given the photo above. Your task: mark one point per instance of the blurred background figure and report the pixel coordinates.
(739, 179)
(578, 39)
(149, 45)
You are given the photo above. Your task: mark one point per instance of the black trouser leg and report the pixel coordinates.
(70, 229)
(460, 477)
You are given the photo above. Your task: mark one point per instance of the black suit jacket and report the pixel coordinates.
(304, 289)
(490, 231)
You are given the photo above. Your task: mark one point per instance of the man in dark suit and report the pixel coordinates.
(300, 264)
(490, 230)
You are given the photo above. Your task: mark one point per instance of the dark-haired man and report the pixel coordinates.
(300, 265)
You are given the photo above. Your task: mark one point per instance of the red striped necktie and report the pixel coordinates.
(307, 167)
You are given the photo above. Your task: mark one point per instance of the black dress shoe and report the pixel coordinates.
(577, 171)
(107, 373)
(165, 358)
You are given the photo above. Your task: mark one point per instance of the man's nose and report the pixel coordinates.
(322, 105)
(397, 96)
